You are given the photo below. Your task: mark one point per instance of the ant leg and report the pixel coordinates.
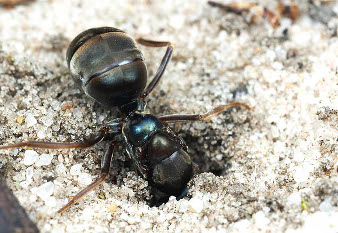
(61, 145)
(200, 117)
(163, 65)
(104, 175)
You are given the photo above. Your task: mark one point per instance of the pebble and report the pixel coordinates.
(41, 134)
(30, 157)
(85, 179)
(47, 121)
(299, 156)
(301, 174)
(44, 160)
(196, 205)
(29, 177)
(241, 226)
(75, 170)
(44, 191)
(294, 199)
(260, 220)
(30, 120)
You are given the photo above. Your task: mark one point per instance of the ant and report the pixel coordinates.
(106, 63)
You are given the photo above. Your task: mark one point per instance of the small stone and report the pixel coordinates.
(85, 179)
(29, 173)
(299, 156)
(30, 120)
(19, 119)
(75, 170)
(44, 160)
(196, 205)
(30, 157)
(78, 113)
(41, 134)
(301, 174)
(260, 220)
(55, 105)
(112, 207)
(66, 105)
(44, 191)
(47, 121)
(242, 225)
(60, 169)
(200, 125)
(29, 177)
(219, 157)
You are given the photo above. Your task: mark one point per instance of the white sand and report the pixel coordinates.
(277, 165)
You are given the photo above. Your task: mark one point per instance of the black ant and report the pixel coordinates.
(109, 67)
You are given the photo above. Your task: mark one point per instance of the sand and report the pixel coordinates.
(272, 169)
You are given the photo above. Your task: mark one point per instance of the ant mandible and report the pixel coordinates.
(106, 63)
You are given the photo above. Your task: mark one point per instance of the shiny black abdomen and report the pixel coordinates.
(170, 166)
(107, 65)
(162, 153)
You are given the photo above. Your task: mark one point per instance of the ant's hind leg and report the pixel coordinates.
(104, 175)
(200, 117)
(61, 145)
(163, 65)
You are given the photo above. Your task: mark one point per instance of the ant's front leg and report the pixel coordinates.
(99, 136)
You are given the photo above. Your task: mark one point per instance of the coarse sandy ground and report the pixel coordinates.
(273, 169)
